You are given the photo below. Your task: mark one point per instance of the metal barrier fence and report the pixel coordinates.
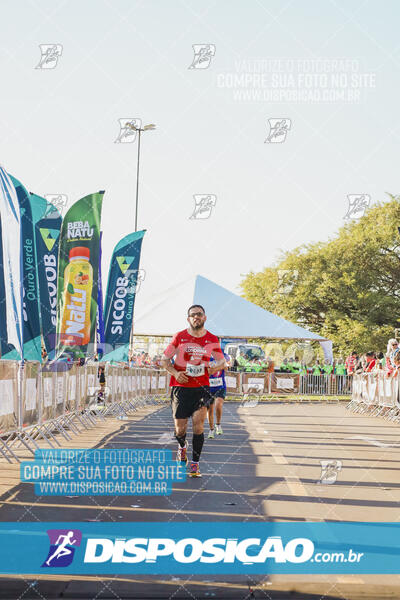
(288, 383)
(39, 401)
(376, 395)
(326, 385)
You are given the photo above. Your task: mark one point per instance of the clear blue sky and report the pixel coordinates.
(123, 58)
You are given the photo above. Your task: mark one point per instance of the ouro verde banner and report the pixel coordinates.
(78, 268)
(30, 285)
(121, 290)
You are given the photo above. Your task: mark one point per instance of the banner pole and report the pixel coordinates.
(130, 343)
(20, 389)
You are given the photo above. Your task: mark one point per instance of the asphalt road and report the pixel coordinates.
(265, 467)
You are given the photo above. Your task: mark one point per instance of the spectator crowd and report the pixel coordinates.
(323, 367)
(369, 362)
(373, 362)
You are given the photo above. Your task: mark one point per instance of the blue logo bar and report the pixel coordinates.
(149, 548)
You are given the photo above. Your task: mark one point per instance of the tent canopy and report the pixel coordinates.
(228, 315)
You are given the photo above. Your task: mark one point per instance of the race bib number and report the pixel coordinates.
(194, 370)
(216, 382)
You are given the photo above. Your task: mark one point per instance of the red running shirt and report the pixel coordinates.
(350, 364)
(192, 355)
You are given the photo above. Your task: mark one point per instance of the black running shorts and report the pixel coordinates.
(185, 401)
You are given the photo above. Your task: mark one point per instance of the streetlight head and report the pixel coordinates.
(148, 127)
(131, 126)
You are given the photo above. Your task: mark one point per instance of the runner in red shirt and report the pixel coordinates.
(192, 349)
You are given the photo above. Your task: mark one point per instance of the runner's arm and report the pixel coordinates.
(166, 363)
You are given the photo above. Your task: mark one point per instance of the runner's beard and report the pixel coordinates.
(198, 326)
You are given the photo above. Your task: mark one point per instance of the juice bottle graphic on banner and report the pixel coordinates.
(78, 283)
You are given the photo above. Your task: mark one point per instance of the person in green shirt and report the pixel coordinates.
(242, 362)
(245, 363)
(327, 368)
(284, 366)
(257, 367)
(316, 368)
(341, 373)
(303, 369)
(295, 365)
(248, 366)
(340, 368)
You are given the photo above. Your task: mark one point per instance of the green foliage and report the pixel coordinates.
(346, 289)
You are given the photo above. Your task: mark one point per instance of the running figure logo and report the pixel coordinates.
(278, 129)
(135, 277)
(57, 203)
(203, 54)
(50, 55)
(127, 135)
(203, 205)
(286, 280)
(248, 400)
(358, 204)
(329, 471)
(62, 547)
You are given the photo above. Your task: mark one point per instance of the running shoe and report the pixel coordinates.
(194, 470)
(211, 433)
(218, 430)
(181, 455)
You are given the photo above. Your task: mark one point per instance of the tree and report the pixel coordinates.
(346, 289)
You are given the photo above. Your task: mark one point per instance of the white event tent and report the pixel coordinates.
(228, 315)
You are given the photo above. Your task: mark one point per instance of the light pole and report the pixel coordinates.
(139, 130)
